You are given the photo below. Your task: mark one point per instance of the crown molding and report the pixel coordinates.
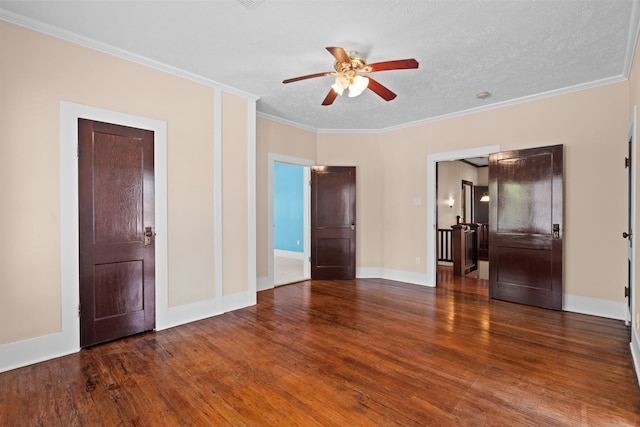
(512, 102)
(68, 36)
(87, 42)
(286, 122)
(632, 40)
(494, 106)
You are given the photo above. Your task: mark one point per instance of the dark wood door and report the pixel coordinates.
(525, 226)
(116, 215)
(333, 222)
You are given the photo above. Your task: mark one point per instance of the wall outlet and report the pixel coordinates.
(417, 260)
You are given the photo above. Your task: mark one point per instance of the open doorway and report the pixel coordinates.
(288, 223)
(463, 213)
(288, 236)
(443, 202)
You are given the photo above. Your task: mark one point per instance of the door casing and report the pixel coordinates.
(632, 315)
(431, 260)
(69, 338)
(272, 158)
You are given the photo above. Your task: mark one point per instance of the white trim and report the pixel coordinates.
(573, 303)
(68, 340)
(262, 284)
(306, 221)
(633, 314)
(432, 159)
(272, 158)
(71, 37)
(594, 306)
(369, 273)
(87, 42)
(187, 313)
(635, 353)
(251, 204)
(632, 38)
(286, 122)
(239, 300)
(488, 107)
(218, 256)
(413, 277)
(631, 136)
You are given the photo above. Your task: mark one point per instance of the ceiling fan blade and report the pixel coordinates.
(310, 76)
(381, 90)
(340, 54)
(331, 96)
(399, 64)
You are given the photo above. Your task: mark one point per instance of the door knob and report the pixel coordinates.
(353, 225)
(626, 235)
(148, 234)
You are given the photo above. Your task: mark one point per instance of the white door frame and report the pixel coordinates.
(432, 205)
(272, 158)
(631, 136)
(69, 114)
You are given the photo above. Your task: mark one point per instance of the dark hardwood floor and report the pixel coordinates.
(362, 352)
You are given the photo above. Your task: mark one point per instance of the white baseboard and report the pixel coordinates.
(288, 254)
(412, 277)
(635, 353)
(187, 313)
(39, 349)
(22, 353)
(239, 300)
(263, 283)
(594, 306)
(34, 350)
(368, 273)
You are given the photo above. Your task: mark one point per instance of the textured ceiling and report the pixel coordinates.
(516, 50)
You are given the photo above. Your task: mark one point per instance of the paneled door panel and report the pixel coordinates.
(526, 226)
(333, 226)
(116, 215)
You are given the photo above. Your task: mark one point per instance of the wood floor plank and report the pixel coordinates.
(356, 352)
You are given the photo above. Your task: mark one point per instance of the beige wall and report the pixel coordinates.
(592, 126)
(450, 176)
(235, 202)
(273, 137)
(363, 152)
(36, 73)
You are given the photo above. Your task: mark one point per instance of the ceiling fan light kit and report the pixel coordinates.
(347, 67)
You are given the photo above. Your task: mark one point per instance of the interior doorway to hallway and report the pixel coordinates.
(439, 200)
(288, 219)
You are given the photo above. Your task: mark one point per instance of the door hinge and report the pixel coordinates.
(626, 292)
(627, 162)
(309, 183)
(79, 310)
(78, 150)
(309, 259)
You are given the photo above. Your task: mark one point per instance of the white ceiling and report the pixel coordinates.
(516, 50)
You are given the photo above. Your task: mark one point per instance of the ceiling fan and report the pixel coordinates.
(348, 66)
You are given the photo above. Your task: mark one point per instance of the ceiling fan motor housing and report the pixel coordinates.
(357, 64)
